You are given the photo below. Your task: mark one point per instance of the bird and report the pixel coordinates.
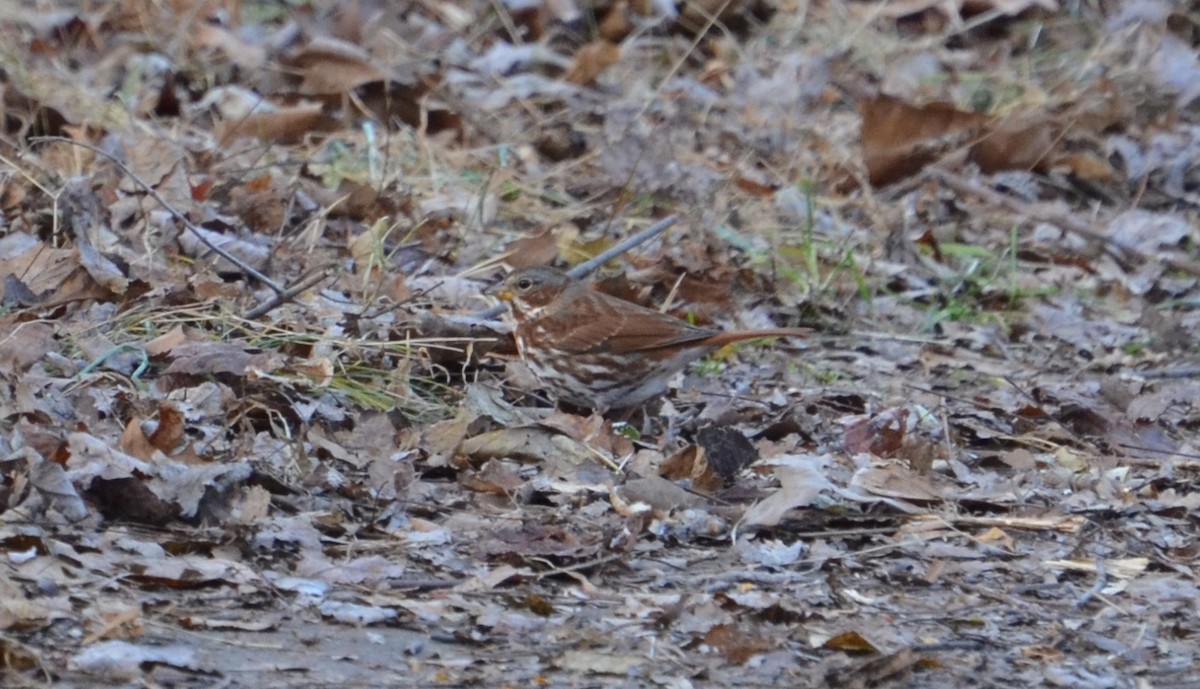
(599, 352)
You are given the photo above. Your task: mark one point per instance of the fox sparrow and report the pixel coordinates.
(596, 351)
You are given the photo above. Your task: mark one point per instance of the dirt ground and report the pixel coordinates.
(259, 428)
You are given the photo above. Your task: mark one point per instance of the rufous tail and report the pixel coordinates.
(722, 339)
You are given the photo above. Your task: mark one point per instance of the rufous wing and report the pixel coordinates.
(602, 323)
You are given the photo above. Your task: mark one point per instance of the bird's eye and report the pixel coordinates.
(524, 283)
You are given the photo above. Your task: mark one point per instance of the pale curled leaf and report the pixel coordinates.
(55, 486)
(250, 249)
(594, 662)
(93, 458)
(1124, 568)
(121, 660)
(800, 481)
(658, 493)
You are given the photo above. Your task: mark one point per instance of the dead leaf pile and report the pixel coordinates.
(254, 429)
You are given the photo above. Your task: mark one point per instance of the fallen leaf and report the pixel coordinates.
(591, 60)
(800, 482)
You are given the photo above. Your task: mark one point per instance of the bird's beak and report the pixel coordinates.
(501, 292)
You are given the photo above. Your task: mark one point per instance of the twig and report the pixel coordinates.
(424, 584)
(1064, 524)
(1170, 374)
(1038, 405)
(286, 295)
(619, 248)
(845, 533)
(603, 257)
(963, 645)
(1126, 257)
(1157, 463)
(1101, 582)
(597, 562)
(14, 656)
(170, 209)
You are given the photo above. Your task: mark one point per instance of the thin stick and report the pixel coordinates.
(282, 297)
(1171, 373)
(1126, 257)
(1101, 582)
(604, 560)
(585, 268)
(170, 209)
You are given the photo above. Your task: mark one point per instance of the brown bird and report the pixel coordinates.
(596, 351)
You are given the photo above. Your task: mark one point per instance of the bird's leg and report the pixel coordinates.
(624, 417)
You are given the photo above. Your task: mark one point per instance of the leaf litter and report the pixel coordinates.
(254, 430)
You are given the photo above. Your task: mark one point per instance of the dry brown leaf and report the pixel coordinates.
(527, 444)
(495, 476)
(331, 66)
(285, 125)
(124, 622)
(591, 60)
(205, 36)
(41, 271)
(881, 435)
(1086, 165)
(218, 358)
(443, 440)
(169, 432)
(896, 481)
(900, 139)
(390, 99)
(691, 463)
(20, 612)
(153, 161)
(592, 430)
(134, 441)
(997, 535)
(166, 342)
(616, 25)
(535, 249)
(736, 643)
(657, 492)
(850, 642)
(1020, 142)
(24, 345)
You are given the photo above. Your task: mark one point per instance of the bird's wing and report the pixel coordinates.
(603, 323)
